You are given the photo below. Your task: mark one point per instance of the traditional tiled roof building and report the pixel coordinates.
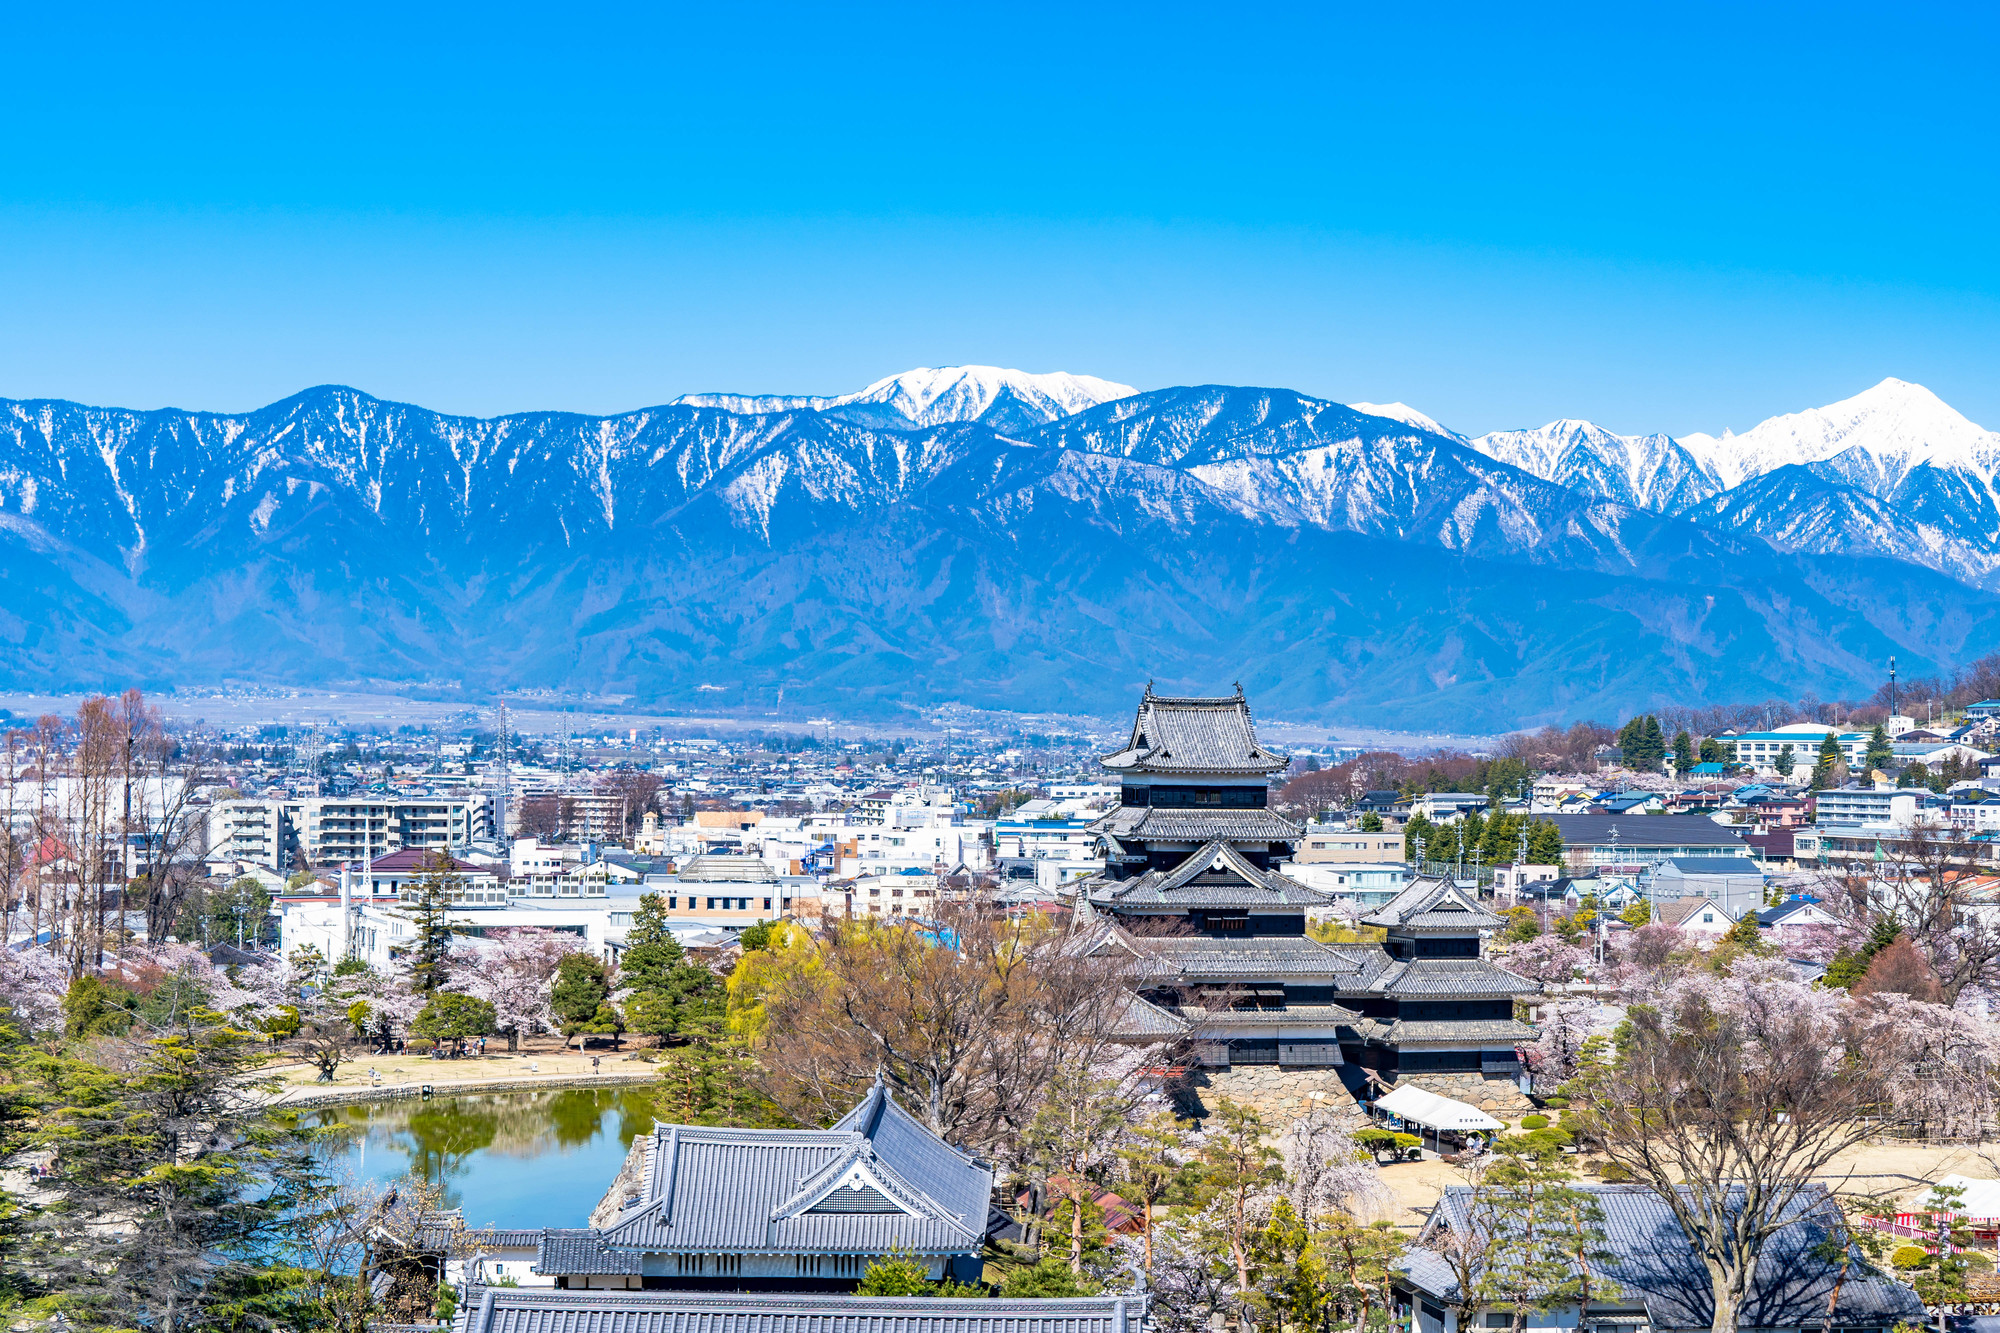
(782, 1209)
(1217, 937)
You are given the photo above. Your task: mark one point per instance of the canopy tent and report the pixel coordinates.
(1434, 1112)
(1982, 1197)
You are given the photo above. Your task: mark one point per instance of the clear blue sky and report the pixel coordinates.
(1661, 217)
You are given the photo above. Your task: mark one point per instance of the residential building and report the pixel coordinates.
(1360, 884)
(1448, 807)
(325, 830)
(1879, 807)
(1735, 881)
(1346, 845)
(1703, 918)
(1637, 841)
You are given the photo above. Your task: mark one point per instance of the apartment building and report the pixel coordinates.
(335, 830)
(1327, 845)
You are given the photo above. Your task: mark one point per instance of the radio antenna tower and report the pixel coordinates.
(500, 833)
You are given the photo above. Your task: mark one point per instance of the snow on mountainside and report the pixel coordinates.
(1646, 471)
(1044, 539)
(1406, 414)
(936, 397)
(1873, 439)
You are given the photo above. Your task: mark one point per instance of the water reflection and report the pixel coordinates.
(511, 1160)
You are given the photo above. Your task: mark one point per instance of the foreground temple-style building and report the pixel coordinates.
(1218, 939)
(777, 1210)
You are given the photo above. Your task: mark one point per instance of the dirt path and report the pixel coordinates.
(538, 1064)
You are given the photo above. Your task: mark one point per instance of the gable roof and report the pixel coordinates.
(874, 1181)
(1432, 903)
(1678, 911)
(1188, 735)
(1214, 875)
(1713, 865)
(1653, 1262)
(546, 1310)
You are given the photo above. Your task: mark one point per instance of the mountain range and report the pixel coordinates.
(1032, 542)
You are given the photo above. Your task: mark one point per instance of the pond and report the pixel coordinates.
(521, 1159)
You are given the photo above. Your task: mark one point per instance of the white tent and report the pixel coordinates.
(1982, 1197)
(1432, 1111)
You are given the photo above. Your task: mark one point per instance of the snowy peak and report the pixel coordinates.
(1646, 471)
(1873, 439)
(1406, 414)
(933, 397)
(936, 396)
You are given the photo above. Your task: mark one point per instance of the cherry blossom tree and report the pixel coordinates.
(1938, 1063)
(1557, 1055)
(1729, 1096)
(1546, 959)
(1326, 1171)
(32, 985)
(514, 973)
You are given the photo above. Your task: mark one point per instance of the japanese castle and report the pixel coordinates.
(1217, 937)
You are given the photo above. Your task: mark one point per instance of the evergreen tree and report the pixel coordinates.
(1880, 753)
(1712, 751)
(1419, 830)
(175, 1197)
(1545, 844)
(581, 998)
(427, 906)
(1371, 822)
(664, 991)
(1655, 743)
(1787, 759)
(1827, 761)
(1683, 752)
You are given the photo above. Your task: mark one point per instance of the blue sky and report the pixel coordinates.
(1662, 218)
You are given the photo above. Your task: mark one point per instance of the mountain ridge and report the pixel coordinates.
(1360, 567)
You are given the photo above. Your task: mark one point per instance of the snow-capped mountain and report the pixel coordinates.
(1340, 563)
(1406, 414)
(1874, 439)
(1004, 399)
(1646, 471)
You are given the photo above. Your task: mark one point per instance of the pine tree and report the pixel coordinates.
(1880, 753)
(1683, 752)
(1371, 822)
(427, 906)
(1545, 844)
(1787, 759)
(1828, 760)
(1655, 743)
(664, 991)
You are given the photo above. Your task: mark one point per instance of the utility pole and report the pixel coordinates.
(1892, 687)
(500, 833)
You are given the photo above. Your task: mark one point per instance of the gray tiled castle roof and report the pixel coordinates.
(1489, 1031)
(764, 1191)
(544, 1310)
(1432, 903)
(1147, 823)
(1194, 736)
(1215, 875)
(1654, 1265)
(576, 1251)
(1452, 977)
(1199, 957)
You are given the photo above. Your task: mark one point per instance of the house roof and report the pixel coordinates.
(1215, 875)
(546, 1310)
(1432, 903)
(874, 1181)
(1713, 865)
(1677, 911)
(1637, 831)
(416, 860)
(1654, 1264)
(1178, 736)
